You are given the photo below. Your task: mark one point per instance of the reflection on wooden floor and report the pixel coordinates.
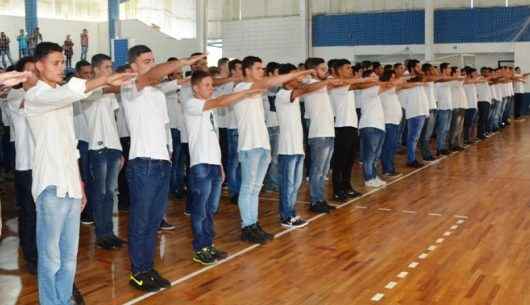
(347, 257)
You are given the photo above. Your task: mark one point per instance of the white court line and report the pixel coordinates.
(403, 275)
(460, 221)
(434, 214)
(431, 248)
(413, 265)
(384, 209)
(454, 227)
(249, 248)
(448, 233)
(360, 207)
(439, 240)
(391, 285)
(423, 256)
(378, 297)
(461, 216)
(408, 212)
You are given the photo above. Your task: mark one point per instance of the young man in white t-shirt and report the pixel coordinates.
(149, 162)
(291, 143)
(105, 154)
(57, 187)
(206, 170)
(254, 145)
(271, 182)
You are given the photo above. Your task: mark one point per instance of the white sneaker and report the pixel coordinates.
(372, 183)
(381, 181)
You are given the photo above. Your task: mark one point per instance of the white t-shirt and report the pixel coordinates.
(495, 92)
(483, 92)
(102, 128)
(343, 102)
(291, 139)
(371, 109)
(146, 113)
(458, 95)
(251, 121)
(80, 123)
(24, 144)
(415, 102)
(320, 113)
(471, 95)
(185, 93)
(269, 108)
(391, 107)
(202, 133)
(431, 95)
(444, 96)
(230, 120)
(121, 120)
(174, 108)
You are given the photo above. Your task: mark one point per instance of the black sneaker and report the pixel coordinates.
(118, 242)
(216, 253)
(415, 164)
(105, 243)
(157, 278)
(429, 158)
(143, 281)
(165, 226)
(253, 235)
(444, 152)
(267, 235)
(77, 297)
(86, 220)
(294, 222)
(234, 199)
(319, 207)
(340, 197)
(203, 257)
(353, 194)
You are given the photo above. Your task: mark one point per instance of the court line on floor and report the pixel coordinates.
(279, 234)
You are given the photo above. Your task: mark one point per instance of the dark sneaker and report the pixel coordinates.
(429, 158)
(143, 281)
(87, 220)
(216, 253)
(353, 194)
(444, 152)
(105, 243)
(415, 164)
(393, 174)
(319, 207)
(294, 223)
(234, 199)
(458, 148)
(267, 235)
(118, 242)
(203, 257)
(157, 278)
(165, 226)
(253, 235)
(77, 297)
(341, 197)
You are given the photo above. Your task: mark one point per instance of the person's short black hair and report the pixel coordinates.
(80, 64)
(453, 69)
(136, 51)
(198, 76)
(376, 65)
(301, 65)
(313, 62)
(444, 66)
(341, 62)
(387, 75)
(367, 73)
(286, 68)
(233, 63)
(387, 67)
(248, 62)
(222, 61)
(332, 63)
(123, 68)
(396, 65)
(213, 71)
(98, 59)
(271, 67)
(411, 64)
(19, 66)
(426, 67)
(172, 59)
(44, 49)
(195, 54)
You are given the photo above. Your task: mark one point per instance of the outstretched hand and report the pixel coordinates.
(13, 78)
(191, 60)
(118, 79)
(255, 91)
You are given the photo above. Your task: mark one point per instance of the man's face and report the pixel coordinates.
(344, 71)
(256, 71)
(103, 69)
(238, 71)
(51, 68)
(201, 65)
(204, 89)
(321, 71)
(85, 72)
(400, 70)
(143, 63)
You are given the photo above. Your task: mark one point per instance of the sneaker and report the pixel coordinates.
(165, 226)
(187, 213)
(415, 164)
(118, 242)
(234, 199)
(373, 183)
(157, 278)
(253, 235)
(267, 235)
(444, 152)
(216, 253)
(105, 243)
(203, 257)
(429, 158)
(77, 297)
(294, 222)
(143, 281)
(353, 194)
(86, 220)
(381, 181)
(458, 148)
(320, 207)
(340, 197)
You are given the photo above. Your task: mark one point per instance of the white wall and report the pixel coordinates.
(272, 39)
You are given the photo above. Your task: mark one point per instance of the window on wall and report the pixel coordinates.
(176, 18)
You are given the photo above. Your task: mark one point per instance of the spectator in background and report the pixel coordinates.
(68, 47)
(84, 44)
(33, 39)
(22, 40)
(4, 49)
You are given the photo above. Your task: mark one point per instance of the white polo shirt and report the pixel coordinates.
(147, 118)
(51, 119)
(251, 121)
(291, 139)
(202, 133)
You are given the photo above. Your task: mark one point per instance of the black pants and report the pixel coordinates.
(483, 118)
(518, 105)
(223, 146)
(123, 187)
(27, 217)
(346, 144)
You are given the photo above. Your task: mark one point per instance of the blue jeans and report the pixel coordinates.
(372, 140)
(148, 190)
(291, 175)
(271, 179)
(254, 164)
(177, 162)
(57, 244)
(205, 187)
(443, 124)
(469, 122)
(104, 171)
(390, 145)
(426, 134)
(321, 152)
(233, 170)
(414, 126)
(84, 51)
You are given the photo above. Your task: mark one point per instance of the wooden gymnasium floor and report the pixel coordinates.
(453, 233)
